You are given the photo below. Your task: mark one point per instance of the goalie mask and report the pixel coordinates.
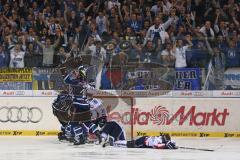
(82, 71)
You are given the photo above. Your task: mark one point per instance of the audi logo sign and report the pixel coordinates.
(20, 114)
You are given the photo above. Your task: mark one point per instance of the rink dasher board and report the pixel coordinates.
(173, 134)
(132, 93)
(144, 121)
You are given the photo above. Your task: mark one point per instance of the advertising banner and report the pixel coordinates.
(195, 117)
(45, 93)
(16, 79)
(27, 116)
(11, 93)
(187, 79)
(15, 75)
(188, 117)
(232, 78)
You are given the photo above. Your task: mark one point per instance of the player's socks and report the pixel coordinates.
(79, 136)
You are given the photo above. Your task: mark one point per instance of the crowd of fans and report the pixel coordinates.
(173, 33)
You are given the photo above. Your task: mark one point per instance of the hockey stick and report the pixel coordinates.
(200, 149)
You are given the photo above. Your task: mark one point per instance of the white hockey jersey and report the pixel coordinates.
(97, 109)
(153, 141)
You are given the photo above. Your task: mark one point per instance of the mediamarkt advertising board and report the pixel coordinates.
(190, 117)
(181, 116)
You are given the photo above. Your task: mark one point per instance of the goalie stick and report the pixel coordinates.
(200, 149)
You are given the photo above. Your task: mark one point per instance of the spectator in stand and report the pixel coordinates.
(74, 50)
(62, 55)
(167, 5)
(217, 65)
(48, 51)
(96, 50)
(157, 7)
(207, 30)
(232, 55)
(33, 57)
(167, 56)
(157, 31)
(134, 24)
(32, 50)
(145, 25)
(220, 28)
(102, 23)
(149, 52)
(98, 59)
(180, 52)
(81, 32)
(112, 3)
(17, 57)
(4, 57)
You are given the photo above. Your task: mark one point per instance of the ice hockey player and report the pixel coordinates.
(156, 142)
(75, 129)
(80, 113)
(76, 79)
(65, 108)
(111, 131)
(60, 107)
(98, 112)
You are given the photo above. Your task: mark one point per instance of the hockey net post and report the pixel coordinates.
(120, 109)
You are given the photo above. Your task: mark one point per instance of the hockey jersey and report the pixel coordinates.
(76, 84)
(154, 142)
(97, 109)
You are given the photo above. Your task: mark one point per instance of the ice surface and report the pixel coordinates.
(49, 148)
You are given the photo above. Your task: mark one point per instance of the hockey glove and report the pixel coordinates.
(171, 145)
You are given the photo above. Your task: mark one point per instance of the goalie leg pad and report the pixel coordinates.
(77, 131)
(68, 131)
(93, 128)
